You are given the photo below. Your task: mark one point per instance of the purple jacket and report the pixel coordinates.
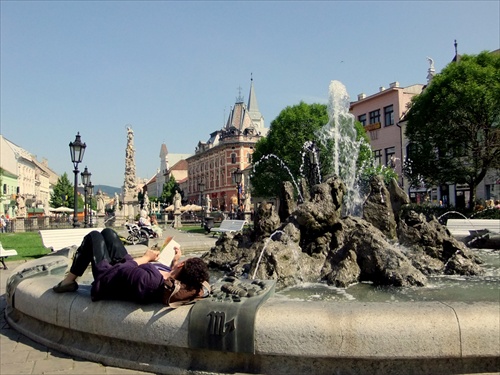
(127, 281)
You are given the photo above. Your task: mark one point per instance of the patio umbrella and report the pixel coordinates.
(62, 209)
(194, 207)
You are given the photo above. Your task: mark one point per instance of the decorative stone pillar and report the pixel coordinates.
(100, 221)
(177, 220)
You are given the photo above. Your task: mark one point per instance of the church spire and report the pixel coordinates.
(253, 106)
(457, 56)
(252, 98)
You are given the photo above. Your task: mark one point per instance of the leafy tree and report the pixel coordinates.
(287, 135)
(454, 124)
(63, 193)
(279, 156)
(169, 189)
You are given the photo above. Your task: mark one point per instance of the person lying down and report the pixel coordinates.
(118, 276)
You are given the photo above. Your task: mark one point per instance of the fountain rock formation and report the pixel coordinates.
(315, 243)
(317, 238)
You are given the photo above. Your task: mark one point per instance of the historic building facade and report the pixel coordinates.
(24, 177)
(380, 114)
(211, 169)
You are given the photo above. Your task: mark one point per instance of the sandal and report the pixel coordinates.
(71, 287)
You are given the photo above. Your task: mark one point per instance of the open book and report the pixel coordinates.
(167, 251)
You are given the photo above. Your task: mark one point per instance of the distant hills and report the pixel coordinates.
(108, 190)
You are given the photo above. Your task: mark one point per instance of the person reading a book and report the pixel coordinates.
(118, 276)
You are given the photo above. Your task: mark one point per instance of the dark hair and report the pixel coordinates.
(194, 273)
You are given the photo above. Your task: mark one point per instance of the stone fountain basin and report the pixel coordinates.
(290, 337)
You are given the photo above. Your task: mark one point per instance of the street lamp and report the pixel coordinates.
(201, 187)
(76, 149)
(237, 175)
(91, 192)
(85, 181)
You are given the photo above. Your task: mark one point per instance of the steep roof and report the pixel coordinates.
(239, 117)
(181, 165)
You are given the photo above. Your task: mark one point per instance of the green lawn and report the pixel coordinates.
(28, 245)
(197, 228)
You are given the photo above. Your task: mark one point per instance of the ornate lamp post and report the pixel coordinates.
(76, 149)
(201, 187)
(85, 181)
(91, 192)
(237, 176)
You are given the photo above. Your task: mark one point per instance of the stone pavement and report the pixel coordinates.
(21, 355)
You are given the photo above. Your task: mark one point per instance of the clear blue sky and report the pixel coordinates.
(171, 69)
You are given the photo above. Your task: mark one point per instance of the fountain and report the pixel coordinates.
(245, 327)
(384, 247)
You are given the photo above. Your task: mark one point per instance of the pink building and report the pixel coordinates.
(380, 114)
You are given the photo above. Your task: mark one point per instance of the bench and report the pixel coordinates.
(230, 226)
(4, 253)
(57, 239)
(472, 227)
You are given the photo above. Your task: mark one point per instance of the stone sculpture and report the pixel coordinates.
(316, 242)
(177, 202)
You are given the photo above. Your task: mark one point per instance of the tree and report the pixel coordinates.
(454, 124)
(169, 189)
(63, 193)
(279, 156)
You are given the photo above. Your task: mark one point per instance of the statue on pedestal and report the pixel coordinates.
(177, 202)
(21, 206)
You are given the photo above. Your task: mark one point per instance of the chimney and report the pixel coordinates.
(381, 88)
(394, 84)
(361, 96)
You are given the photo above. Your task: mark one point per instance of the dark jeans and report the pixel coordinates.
(97, 246)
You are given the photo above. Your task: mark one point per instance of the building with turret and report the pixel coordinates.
(211, 168)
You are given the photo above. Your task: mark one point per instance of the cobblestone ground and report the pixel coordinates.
(21, 355)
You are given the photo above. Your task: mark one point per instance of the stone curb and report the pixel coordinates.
(321, 338)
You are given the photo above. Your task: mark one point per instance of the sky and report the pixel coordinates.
(172, 70)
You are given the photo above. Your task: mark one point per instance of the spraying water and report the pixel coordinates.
(340, 131)
(295, 253)
(282, 165)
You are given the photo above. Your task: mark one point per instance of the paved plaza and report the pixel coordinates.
(21, 355)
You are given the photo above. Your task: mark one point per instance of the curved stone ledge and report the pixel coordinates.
(290, 337)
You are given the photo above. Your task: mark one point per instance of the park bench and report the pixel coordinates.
(4, 253)
(57, 239)
(472, 227)
(230, 226)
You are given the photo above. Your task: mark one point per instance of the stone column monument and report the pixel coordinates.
(130, 202)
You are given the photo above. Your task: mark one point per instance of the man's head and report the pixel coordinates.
(192, 272)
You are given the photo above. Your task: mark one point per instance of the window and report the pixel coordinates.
(375, 116)
(249, 158)
(233, 158)
(362, 119)
(389, 115)
(390, 160)
(377, 155)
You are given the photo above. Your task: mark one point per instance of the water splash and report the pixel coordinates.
(310, 147)
(452, 212)
(282, 165)
(294, 250)
(341, 130)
